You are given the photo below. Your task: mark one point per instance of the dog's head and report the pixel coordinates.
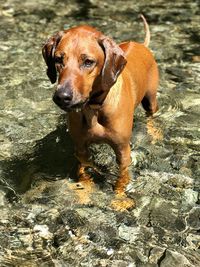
(87, 64)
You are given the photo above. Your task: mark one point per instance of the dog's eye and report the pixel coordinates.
(88, 63)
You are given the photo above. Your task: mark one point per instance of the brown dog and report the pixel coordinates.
(100, 84)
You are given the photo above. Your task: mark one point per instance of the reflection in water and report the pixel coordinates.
(154, 131)
(83, 190)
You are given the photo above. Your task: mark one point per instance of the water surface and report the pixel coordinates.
(34, 144)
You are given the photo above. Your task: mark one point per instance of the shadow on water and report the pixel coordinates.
(52, 158)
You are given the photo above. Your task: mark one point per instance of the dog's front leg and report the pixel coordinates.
(123, 156)
(121, 202)
(85, 186)
(82, 154)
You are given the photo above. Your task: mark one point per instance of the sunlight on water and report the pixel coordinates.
(37, 163)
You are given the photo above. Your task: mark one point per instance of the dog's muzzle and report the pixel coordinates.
(64, 99)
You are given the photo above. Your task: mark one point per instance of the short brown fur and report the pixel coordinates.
(100, 84)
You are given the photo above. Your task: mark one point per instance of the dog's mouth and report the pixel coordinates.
(94, 101)
(77, 107)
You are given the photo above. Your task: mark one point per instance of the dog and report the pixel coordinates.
(100, 84)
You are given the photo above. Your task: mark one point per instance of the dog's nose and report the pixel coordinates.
(62, 98)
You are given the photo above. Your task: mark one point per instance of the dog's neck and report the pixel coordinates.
(94, 114)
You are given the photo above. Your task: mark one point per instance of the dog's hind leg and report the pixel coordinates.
(149, 102)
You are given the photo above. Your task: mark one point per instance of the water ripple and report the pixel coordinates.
(170, 107)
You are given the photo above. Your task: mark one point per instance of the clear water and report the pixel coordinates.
(33, 138)
(31, 130)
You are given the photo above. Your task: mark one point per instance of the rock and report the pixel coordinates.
(193, 219)
(43, 231)
(174, 259)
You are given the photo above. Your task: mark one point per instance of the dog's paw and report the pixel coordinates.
(122, 203)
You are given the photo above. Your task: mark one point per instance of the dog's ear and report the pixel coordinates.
(48, 51)
(113, 64)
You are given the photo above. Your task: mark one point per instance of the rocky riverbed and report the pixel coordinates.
(48, 218)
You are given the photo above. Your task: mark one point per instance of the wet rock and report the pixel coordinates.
(170, 221)
(193, 219)
(43, 231)
(61, 236)
(156, 255)
(34, 212)
(174, 259)
(190, 198)
(72, 218)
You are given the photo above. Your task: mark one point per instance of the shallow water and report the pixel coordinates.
(34, 144)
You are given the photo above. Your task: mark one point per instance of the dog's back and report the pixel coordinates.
(142, 71)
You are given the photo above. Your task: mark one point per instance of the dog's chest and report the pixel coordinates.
(92, 125)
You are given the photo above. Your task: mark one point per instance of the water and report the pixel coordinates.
(34, 144)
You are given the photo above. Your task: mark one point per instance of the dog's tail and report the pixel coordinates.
(146, 27)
